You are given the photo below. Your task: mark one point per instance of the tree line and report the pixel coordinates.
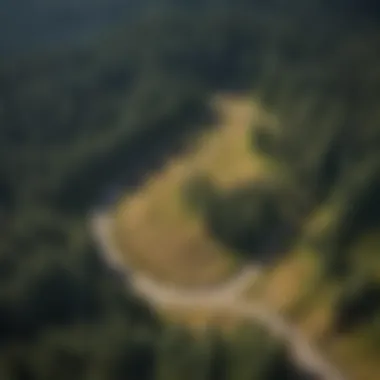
(74, 119)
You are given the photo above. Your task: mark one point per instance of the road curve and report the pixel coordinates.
(224, 297)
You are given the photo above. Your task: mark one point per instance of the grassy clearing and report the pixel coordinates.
(157, 233)
(155, 229)
(295, 289)
(352, 353)
(287, 282)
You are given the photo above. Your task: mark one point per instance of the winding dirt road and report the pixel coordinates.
(224, 297)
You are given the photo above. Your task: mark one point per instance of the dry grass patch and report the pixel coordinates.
(153, 226)
(315, 321)
(289, 281)
(352, 353)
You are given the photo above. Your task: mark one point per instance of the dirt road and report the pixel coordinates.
(223, 297)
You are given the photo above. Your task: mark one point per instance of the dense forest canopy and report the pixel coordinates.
(74, 118)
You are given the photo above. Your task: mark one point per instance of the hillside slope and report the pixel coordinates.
(155, 227)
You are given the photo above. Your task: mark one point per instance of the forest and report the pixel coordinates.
(77, 118)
